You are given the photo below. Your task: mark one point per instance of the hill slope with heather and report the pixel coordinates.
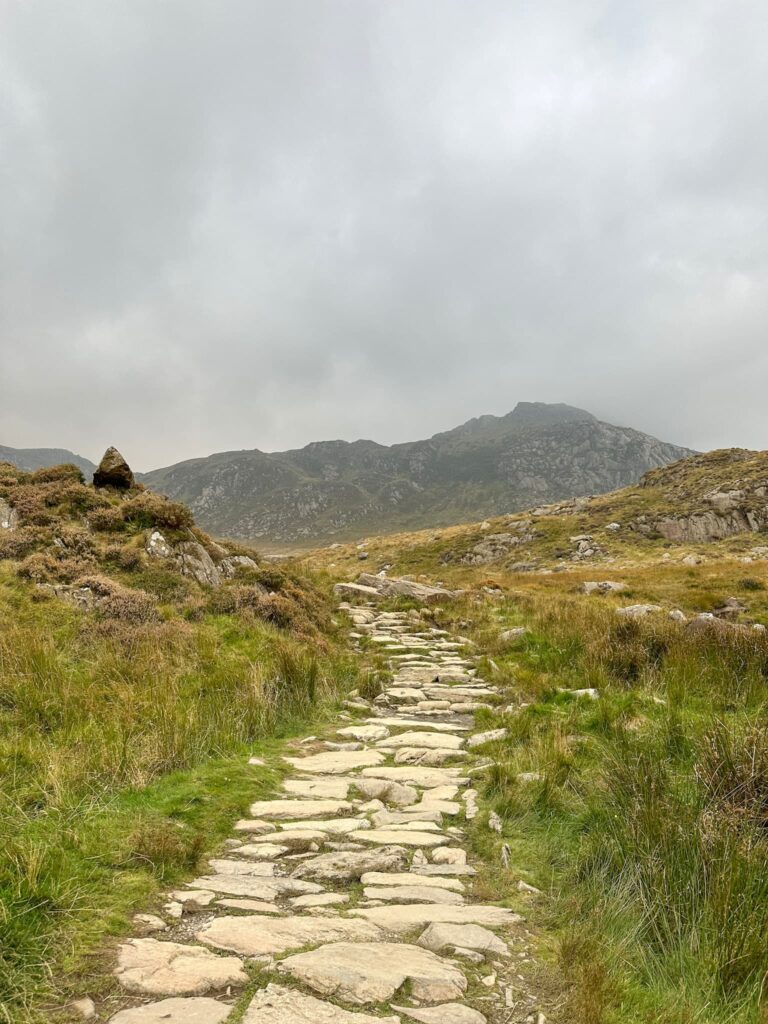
(333, 490)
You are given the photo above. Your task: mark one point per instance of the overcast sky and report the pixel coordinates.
(236, 223)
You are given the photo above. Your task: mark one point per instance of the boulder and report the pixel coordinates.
(195, 561)
(438, 937)
(114, 471)
(157, 546)
(229, 566)
(9, 517)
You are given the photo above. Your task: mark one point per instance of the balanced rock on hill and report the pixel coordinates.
(114, 471)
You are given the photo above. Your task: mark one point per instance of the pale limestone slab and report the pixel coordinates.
(446, 1013)
(428, 758)
(256, 906)
(278, 1005)
(266, 889)
(281, 810)
(388, 836)
(388, 791)
(439, 936)
(149, 967)
(443, 869)
(449, 856)
(349, 866)
(298, 838)
(334, 762)
(331, 826)
(402, 918)
(329, 788)
(365, 733)
(413, 894)
(253, 825)
(193, 1010)
(253, 936)
(418, 723)
(385, 818)
(492, 736)
(322, 899)
(361, 973)
(428, 740)
(419, 776)
(396, 878)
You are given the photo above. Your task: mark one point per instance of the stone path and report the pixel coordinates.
(351, 888)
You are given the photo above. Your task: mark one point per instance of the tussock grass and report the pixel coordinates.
(649, 820)
(95, 726)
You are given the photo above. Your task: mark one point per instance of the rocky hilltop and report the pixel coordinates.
(335, 490)
(30, 459)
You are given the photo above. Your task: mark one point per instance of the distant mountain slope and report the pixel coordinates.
(332, 490)
(35, 458)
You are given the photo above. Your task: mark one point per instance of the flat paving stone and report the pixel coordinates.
(330, 826)
(254, 936)
(287, 809)
(256, 906)
(152, 968)
(396, 878)
(428, 740)
(446, 1013)
(349, 866)
(420, 776)
(405, 838)
(418, 723)
(400, 919)
(413, 894)
(438, 936)
(266, 889)
(194, 1010)
(329, 788)
(366, 733)
(277, 1005)
(334, 762)
(361, 973)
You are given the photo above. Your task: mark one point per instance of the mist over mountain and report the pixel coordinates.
(334, 490)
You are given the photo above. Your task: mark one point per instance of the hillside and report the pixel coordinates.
(708, 511)
(334, 490)
(38, 458)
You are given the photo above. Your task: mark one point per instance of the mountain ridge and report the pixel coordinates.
(332, 490)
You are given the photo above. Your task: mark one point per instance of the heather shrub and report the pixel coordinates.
(151, 511)
(108, 519)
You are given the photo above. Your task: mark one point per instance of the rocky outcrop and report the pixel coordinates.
(114, 471)
(9, 517)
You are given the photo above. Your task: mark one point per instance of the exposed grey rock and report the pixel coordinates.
(445, 1013)
(330, 788)
(286, 809)
(228, 566)
(402, 918)
(9, 517)
(602, 587)
(400, 878)
(638, 611)
(335, 762)
(157, 546)
(113, 471)
(194, 561)
(492, 736)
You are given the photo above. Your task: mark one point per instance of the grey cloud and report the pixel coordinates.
(256, 224)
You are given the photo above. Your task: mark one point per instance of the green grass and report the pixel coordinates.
(122, 758)
(649, 825)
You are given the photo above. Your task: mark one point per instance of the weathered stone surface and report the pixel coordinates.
(438, 937)
(638, 611)
(148, 923)
(257, 906)
(322, 899)
(450, 855)
(331, 826)
(492, 736)
(194, 561)
(285, 810)
(402, 918)
(428, 740)
(267, 889)
(388, 791)
(428, 758)
(417, 723)
(254, 826)
(347, 867)
(296, 839)
(354, 590)
(149, 967)
(404, 838)
(385, 587)
(372, 972)
(446, 1013)
(113, 471)
(419, 776)
(255, 936)
(157, 546)
(398, 878)
(385, 818)
(194, 1010)
(318, 788)
(9, 517)
(267, 851)
(366, 733)
(278, 1005)
(229, 566)
(413, 894)
(335, 762)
